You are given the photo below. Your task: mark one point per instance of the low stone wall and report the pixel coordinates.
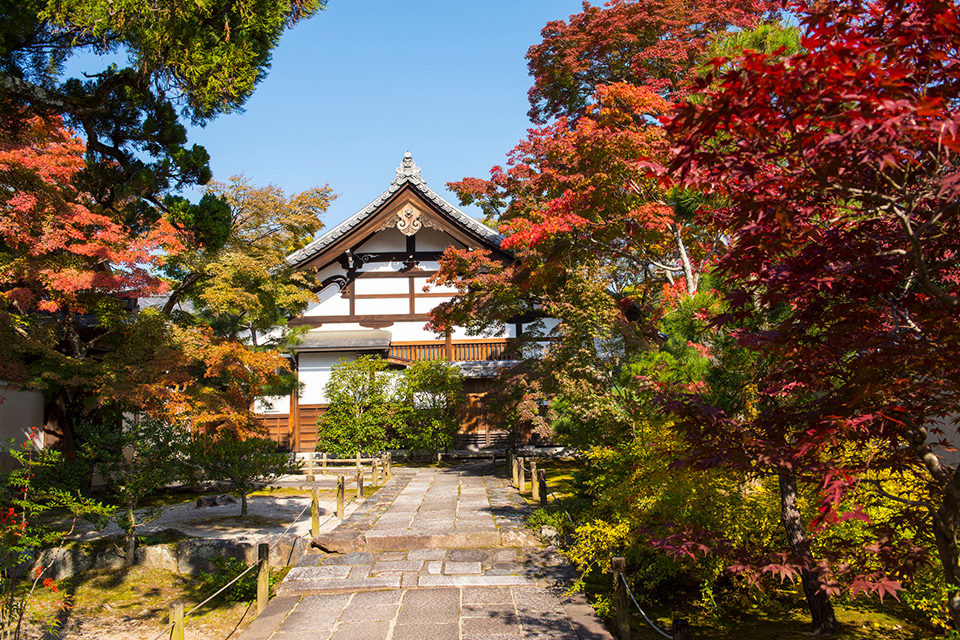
(188, 557)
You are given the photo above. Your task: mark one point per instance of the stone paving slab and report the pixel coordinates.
(519, 612)
(439, 554)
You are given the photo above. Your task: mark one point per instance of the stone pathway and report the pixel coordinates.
(435, 554)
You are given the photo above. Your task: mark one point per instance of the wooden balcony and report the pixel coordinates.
(485, 349)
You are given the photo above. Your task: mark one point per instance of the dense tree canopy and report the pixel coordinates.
(839, 166)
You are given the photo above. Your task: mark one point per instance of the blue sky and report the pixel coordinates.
(357, 85)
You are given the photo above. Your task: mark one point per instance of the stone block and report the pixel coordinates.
(354, 557)
(461, 568)
(318, 573)
(59, 564)
(196, 556)
(368, 613)
(111, 559)
(474, 581)
(494, 595)
(427, 631)
(304, 620)
(361, 631)
(158, 556)
(427, 554)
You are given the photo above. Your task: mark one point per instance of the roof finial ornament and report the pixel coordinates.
(408, 170)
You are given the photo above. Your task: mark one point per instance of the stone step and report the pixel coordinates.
(345, 542)
(411, 580)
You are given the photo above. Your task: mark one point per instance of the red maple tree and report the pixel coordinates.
(839, 165)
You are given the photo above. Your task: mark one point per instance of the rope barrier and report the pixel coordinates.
(167, 629)
(164, 632)
(222, 589)
(623, 579)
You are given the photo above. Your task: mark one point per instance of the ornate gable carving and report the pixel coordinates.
(408, 220)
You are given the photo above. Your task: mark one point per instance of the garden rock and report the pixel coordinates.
(286, 550)
(110, 559)
(215, 501)
(197, 556)
(158, 556)
(62, 563)
(550, 534)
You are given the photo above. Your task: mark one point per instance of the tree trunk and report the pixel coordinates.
(947, 479)
(818, 602)
(945, 533)
(131, 539)
(243, 504)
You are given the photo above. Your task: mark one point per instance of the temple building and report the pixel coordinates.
(375, 298)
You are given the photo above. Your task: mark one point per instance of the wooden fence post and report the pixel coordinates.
(360, 483)
(176, 619)
(523, 475)
(341, 482)
(620, 598)
(681, 629)
(359, 468)
(534, 485)
(516, 473)
(324, 464)
(542, 484)
(263, 577)
(315, 512)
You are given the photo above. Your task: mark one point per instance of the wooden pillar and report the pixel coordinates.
(542, 483)
(620, 598)
(448, 346)
(176, 619)
(360, 483)
(534, 485)
(263, 577)
(522, 486)
(295, 407)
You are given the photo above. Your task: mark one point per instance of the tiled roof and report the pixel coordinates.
(407, 173)
(356, 340)
(483, 368)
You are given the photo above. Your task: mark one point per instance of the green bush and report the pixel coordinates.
(362, 413)
(226, 569)
(372, 409)
(430, 401)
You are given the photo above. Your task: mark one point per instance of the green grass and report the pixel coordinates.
(139, 597)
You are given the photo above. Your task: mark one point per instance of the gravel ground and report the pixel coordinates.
(268, 515)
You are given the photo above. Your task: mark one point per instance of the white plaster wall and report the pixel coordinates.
(410, 331)
(331, 304)
(386, 240)
(420, 285)
(272, 404)
(379, 306)
(432, 240)
(366, 286)
(19, 412)
(426, 305)
(315, 371)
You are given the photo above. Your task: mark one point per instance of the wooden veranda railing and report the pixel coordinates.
(487, 349)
